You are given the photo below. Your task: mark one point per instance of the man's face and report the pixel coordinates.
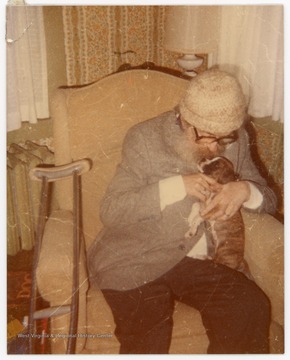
(206, 147)
(196, 145)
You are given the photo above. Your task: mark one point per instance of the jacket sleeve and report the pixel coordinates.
(248, 171)
(130, 198)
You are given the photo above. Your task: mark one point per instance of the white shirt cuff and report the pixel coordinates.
(171, 190)
(256, 198)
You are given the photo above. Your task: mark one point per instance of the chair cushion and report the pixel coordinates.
(264, 252)
(54, 271)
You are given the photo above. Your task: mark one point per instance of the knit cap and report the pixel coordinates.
(214, 102)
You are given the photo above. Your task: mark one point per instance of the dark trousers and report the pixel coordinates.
(234, 310)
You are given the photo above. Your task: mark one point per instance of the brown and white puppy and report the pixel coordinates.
(228, 236)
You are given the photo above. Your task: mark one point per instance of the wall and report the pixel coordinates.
(56, 64)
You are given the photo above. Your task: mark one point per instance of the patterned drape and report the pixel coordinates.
(98, 39)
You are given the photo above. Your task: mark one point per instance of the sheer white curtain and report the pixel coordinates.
(251, 46)
(27, 92)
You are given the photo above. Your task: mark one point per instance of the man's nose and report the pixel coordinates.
(212, 146)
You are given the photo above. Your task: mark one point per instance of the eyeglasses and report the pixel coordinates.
(224, 140)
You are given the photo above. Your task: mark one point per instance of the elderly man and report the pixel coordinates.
(142, 260)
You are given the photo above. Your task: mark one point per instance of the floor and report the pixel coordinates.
(19, 270)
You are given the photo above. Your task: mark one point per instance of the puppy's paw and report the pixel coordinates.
(192, 231)
(194, 213)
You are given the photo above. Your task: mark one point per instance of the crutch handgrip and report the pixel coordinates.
(60, 172)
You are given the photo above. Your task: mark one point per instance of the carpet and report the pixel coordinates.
(18, 294)
(19, 278)
(19, 284)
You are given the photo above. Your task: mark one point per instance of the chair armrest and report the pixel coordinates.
(264, 252)
(54, 270)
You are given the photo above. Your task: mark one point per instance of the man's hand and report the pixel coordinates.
(227, 201)
(200, 185)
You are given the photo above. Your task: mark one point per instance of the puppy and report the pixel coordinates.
(228, 236)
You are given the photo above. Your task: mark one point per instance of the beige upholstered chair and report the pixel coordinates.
(90, 122)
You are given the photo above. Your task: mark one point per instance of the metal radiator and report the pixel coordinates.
(23, 195)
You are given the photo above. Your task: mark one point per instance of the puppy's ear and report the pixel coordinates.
(227, 175)
(227, 162)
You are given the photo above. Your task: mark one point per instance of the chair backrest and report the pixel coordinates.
(91, 122)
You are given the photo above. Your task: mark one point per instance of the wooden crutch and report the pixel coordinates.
(46, 175)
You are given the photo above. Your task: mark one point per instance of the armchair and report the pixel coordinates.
(90, 122)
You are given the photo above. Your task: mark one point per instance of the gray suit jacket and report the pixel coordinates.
(139, 242)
